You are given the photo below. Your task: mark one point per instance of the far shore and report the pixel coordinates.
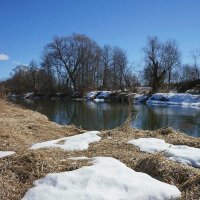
(167, 98)
(21, 128)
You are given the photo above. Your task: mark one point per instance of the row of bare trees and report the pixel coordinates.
(27, 79)
(77, 63)
(83, 65)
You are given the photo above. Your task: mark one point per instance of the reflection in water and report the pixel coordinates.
(97, 116)
(184, 119)
(86, 114)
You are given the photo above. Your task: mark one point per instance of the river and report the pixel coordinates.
(98, 116)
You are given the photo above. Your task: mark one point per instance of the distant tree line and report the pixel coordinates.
(76, 63)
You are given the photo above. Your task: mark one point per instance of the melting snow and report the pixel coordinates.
(98, 96)
(140, 98)
(106, 179)
(91, 95)
(104, 94)
(6, 153)
(179, 153)
(79, 158)
(72, 143)
(175, 99)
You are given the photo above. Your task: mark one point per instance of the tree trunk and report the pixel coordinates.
(169, 80)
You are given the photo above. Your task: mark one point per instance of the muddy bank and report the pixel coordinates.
(20, 128)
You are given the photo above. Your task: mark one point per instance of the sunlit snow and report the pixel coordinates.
(179, 153)
(6, 153)
(72, 143)
(181, 99)
(106, 179)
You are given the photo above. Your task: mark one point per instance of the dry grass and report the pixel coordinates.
(20, 128)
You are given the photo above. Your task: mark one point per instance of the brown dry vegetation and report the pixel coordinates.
(20, 128)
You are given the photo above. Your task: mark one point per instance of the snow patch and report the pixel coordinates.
(28, 95)
(104, 94)
(98, 96)
(79, 158)
(6, 153)
(91, 95)
(140, 98)
(106, 179)
(179, 153)
(175, 99)
(151, 145)
(73, 143)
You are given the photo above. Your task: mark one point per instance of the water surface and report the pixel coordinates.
(98, 116)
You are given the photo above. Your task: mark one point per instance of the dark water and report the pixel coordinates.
(97, 116)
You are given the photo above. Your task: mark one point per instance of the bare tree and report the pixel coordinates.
(131, 80)
(33, 70)
(160, 58)
(119, 60)
(189, 73)
(106, 60)
(195, 56)
(46, 65)
(71, 56)
(170, 56)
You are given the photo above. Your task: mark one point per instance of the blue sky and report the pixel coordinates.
(27, 26)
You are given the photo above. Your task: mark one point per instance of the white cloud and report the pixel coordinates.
(4, 57)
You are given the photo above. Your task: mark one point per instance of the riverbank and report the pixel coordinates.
(21, 128)
(169, 99)
(96, 96)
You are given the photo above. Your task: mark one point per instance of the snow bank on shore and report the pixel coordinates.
(140, 98)
(6, 153)
(91, 95)
(175, 99)
(98, 96)
(104, 94)
(73, 143)
(179, 153)
(106, 179)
